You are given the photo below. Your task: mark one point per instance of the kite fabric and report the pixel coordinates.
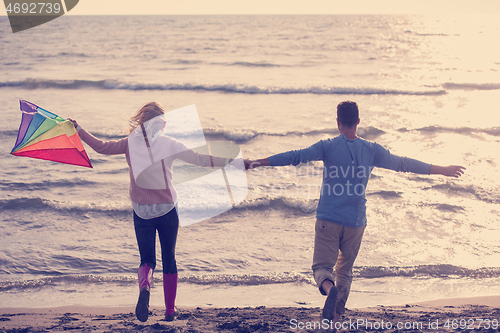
(45, 135)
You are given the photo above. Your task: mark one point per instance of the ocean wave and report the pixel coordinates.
(479, 193)
(427, 271)
(273, 200)
(9, 134)
(305, 206)
(443, 271)
(244, 135)
(246, 279)
(73, 54)
(240, 135)
(203, 279)
(471, 86)
(109, 136)
(69, 206)
(494, 131)
(45, 185)
(387, 194)
(105, 136)
(59, 84)
(253, 64)
(449, 208)
(227, 88)
(67, 279)
(309, 206)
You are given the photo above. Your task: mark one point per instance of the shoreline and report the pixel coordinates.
(366, 293)
(475, 313)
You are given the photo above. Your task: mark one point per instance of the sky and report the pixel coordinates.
(226, 7)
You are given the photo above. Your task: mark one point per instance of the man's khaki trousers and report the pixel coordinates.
(336, 246)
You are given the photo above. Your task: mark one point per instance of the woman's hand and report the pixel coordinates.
(252, 164)
(74, 122)
(248, 164)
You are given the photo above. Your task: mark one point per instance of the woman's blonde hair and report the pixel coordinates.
(147, 112)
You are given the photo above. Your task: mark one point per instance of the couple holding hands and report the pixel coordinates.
(341, 211)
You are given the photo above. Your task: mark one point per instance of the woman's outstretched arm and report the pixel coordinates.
(203, 160)
(100, 146)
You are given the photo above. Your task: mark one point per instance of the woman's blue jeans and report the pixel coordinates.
(145, 230)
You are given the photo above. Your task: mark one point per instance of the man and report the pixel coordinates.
(341, 212)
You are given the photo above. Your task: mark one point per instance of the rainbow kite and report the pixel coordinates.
(47, 136)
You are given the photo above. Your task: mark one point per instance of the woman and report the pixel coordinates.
(154, 208)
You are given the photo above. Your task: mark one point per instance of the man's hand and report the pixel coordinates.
(251, 164)
(448, 171)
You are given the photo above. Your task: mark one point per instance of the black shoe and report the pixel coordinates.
(330, 303)
(142, 308)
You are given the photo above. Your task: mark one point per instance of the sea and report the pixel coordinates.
(427, 88)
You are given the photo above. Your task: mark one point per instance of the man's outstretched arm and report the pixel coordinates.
(384, 159)
(448, 171)
(292, 157)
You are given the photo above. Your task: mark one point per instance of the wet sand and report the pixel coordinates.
(451, 315)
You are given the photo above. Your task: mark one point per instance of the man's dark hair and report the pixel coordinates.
(348, 113)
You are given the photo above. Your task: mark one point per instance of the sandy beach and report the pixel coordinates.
(465, 314)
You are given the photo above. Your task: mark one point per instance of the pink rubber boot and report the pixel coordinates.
(145, 274)
(170, 291)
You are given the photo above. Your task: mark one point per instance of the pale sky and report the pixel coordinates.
(224, 7)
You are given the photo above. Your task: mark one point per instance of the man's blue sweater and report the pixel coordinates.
(347, 168)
